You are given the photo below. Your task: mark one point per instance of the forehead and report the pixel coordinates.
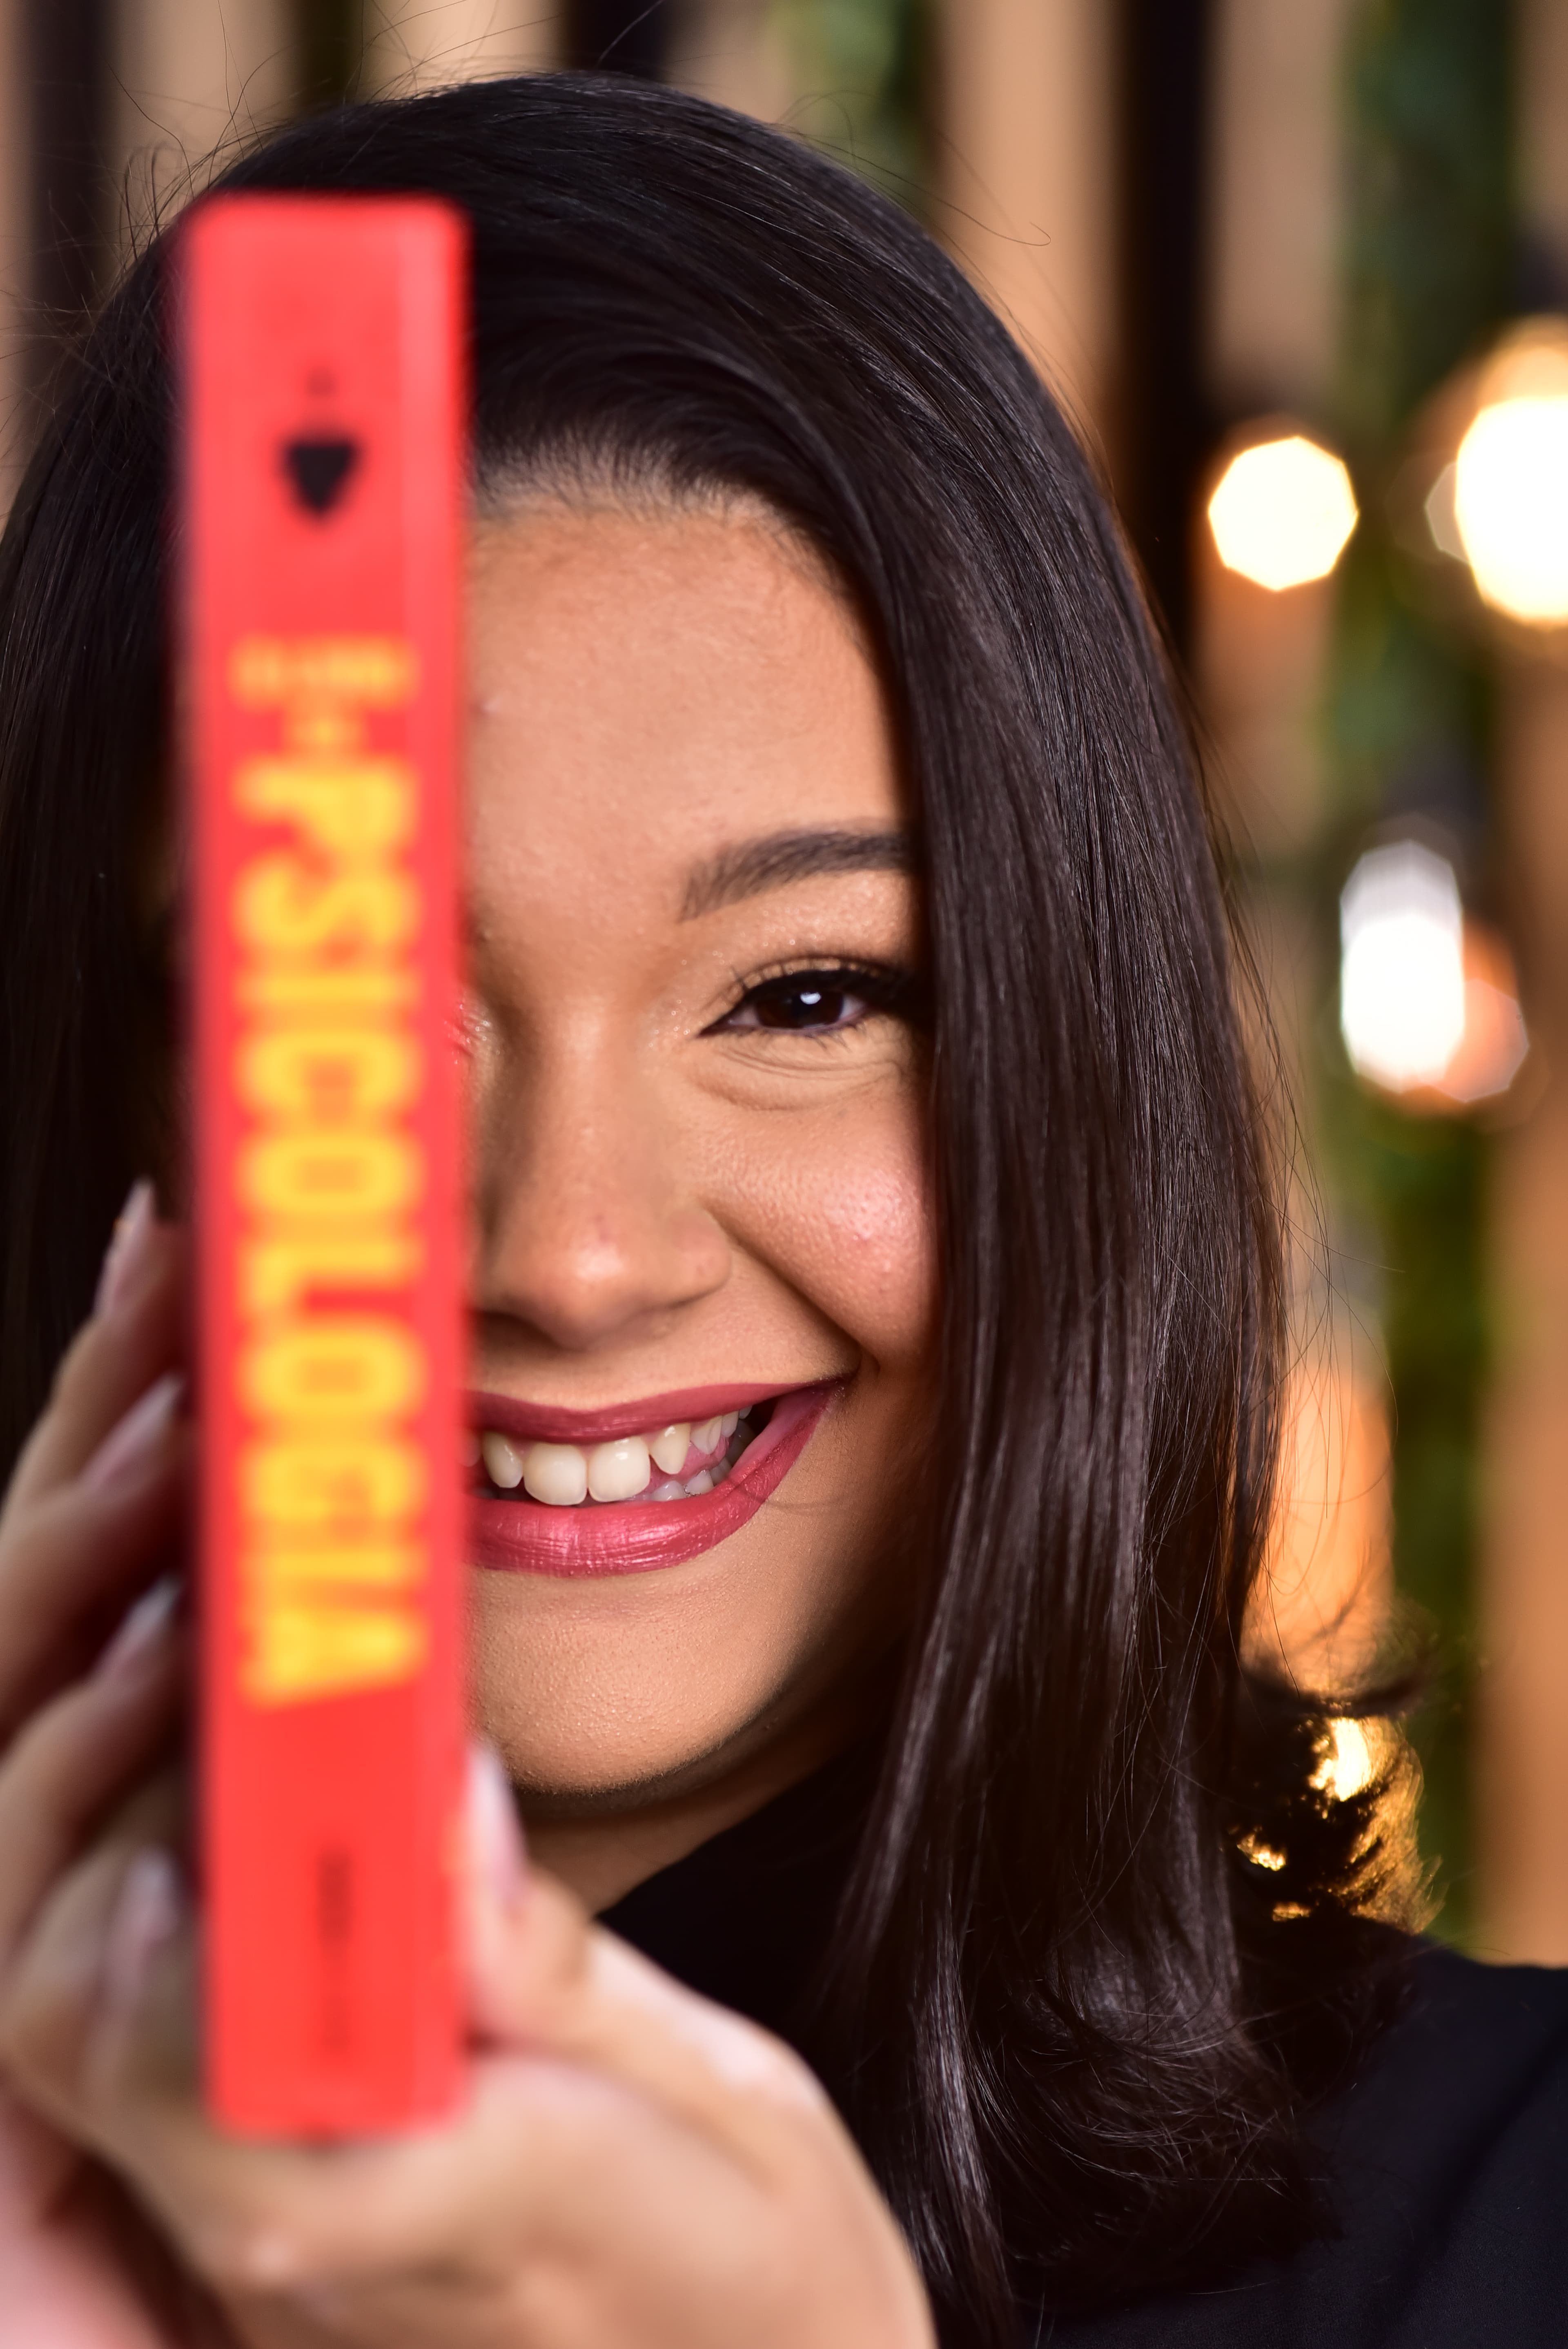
(650, 686)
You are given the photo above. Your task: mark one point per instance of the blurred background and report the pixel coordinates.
(1299, 271)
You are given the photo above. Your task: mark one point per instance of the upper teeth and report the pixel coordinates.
(562, 1474)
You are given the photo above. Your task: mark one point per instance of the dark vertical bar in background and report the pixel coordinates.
(70, 192)
(1166, 429)
(329, 49)
(626, 37)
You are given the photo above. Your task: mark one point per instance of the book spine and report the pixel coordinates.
(322, 355)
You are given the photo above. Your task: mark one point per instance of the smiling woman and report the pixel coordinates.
(874, 1272)
(701, 1180)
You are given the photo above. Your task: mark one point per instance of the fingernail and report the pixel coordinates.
(127, 1249)
(146, 1915)
(495, 1832)
(144, 1630)
(126, 1449)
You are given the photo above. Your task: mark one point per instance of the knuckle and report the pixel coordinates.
(15, 2030)
(40, 1543)
(71, 1370)
(754, 2062)
(40, 2019)
(40, 1553)
(251, 2251)
(52, 1774)
(46, 1744)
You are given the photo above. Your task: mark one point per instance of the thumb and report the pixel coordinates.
(543, 1979)
(527, 1938)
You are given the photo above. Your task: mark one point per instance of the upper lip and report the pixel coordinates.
(545, 1423)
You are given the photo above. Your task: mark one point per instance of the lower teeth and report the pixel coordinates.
(670, 1488)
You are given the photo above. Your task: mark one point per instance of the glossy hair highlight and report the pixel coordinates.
(1072, 2023)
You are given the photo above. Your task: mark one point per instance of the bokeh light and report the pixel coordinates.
(1442, 523)
(1429, 1004)
(1349, 1764)
(1402, 973)
(1493, 1049)
(1507, 489)
(1511, 502)
(1282, 511)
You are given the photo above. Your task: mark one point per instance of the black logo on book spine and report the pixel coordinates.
(320, 471)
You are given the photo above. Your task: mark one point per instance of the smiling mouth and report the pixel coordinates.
(629, 1489)
(679, 1460)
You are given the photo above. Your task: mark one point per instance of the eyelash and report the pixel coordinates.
(876, 988)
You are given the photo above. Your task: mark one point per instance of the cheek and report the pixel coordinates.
(843, 1212)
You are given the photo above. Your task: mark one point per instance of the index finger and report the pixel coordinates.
(112, 1360)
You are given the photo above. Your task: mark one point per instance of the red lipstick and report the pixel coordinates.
(524, 1536)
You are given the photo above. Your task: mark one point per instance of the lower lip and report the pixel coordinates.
(637, 1537)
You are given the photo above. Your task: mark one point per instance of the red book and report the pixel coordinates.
(325, 405)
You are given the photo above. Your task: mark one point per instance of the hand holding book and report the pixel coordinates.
(626, 2163)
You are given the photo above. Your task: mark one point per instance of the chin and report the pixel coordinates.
(604, 1690)
(624, 1748)
(659, 1695)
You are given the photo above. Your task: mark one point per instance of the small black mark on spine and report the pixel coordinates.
(320, 471)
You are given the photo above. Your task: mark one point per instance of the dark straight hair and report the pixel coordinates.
(1071, 2014)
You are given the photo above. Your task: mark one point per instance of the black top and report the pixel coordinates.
(1448, 2156)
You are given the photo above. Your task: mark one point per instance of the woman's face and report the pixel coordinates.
(699, 1165)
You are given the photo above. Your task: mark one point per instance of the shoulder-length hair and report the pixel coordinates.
(1071, 2021)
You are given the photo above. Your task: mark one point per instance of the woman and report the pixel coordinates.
(855, 1076)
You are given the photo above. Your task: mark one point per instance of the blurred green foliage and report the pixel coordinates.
(1429, 225)
(1428, 256)
(865, 69)
(1416, 1188)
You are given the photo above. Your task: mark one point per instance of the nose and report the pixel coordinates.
(589, 1229)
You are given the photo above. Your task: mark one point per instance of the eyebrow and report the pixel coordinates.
(779, 858)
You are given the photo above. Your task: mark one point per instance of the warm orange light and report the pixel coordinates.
(1511, 478)
(1429, 1004)
(1322, 1606)
(1282, 511)
(1401, 970)
(1510, 500)
(1492, 1047)
(1349, 1764)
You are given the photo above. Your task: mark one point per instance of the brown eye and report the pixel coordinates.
(826, 1002)
(804, 1004)
(806, 1001)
